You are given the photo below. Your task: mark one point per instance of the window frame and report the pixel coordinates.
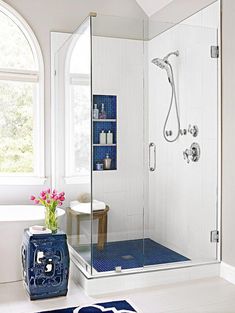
(30, 76)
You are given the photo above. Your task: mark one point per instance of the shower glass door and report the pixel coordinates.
(182, 214)
(72, 151)
(118, 144)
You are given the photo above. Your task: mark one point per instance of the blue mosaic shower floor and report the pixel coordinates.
(129, 254)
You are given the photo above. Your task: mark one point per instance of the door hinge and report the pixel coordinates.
(214, 237)
(215, 52)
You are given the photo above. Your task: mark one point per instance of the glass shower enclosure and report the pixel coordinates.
(136, 201)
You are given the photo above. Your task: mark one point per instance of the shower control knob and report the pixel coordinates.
(183, 132)
(193, 130)
(169, 133)
(186, 155)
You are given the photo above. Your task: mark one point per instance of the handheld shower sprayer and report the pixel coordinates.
(165, 64)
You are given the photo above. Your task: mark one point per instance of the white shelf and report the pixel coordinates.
(104, 145)
(104, 171)
(104, 120)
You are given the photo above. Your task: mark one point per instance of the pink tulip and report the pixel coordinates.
(48, 201)
(52, 196)
(32, 198)
(54, 191)
(60, 203)
(36, 201)
(48, 190)
(42, 194)
(44, 197)
(62, 194)
(56, 198)
(62, 198)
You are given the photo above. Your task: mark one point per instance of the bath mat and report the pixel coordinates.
(132, 254)
(107, 307)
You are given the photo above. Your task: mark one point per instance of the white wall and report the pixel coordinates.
(228, 181)
(182, 205)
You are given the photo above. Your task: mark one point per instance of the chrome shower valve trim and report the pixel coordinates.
(193, 153)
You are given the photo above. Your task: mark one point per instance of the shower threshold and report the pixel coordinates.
(126, 277)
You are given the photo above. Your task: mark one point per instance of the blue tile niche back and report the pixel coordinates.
(109, 124)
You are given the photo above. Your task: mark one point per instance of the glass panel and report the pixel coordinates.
(183, 190)
(118, 144)
(16, 52)
(73, 137)
(16, 127)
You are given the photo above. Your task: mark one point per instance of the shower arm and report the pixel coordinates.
(176, 53)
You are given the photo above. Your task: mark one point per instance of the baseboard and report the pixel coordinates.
(227, 272)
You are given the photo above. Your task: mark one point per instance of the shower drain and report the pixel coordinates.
(127, 257)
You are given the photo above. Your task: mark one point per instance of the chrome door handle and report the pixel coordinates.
(152, 146)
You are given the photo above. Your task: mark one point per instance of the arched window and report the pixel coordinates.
(21, 98)
(78, 107)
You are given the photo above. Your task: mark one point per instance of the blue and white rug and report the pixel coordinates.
(107, 307)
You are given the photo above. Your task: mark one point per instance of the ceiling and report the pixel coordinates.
(152, 6)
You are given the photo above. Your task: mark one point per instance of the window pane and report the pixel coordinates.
(15, 50)
(16, 127)
(80, 132)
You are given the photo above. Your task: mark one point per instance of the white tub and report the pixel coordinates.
(13, 220)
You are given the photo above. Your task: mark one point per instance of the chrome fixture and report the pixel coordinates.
(165, 64)
(183, 132)
(215, 52)
(169, 133)
(214, 236)
(193, 130)
(193, 153)
(152, 168)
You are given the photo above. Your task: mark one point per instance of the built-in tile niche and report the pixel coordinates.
(109, 123)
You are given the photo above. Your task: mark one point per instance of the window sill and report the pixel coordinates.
(22, 180)
(77, 180)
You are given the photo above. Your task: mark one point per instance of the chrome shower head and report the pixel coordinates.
(160, 63)
(164, 64)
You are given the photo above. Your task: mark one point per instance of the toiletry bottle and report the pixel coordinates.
(102, 114)
(109, 138)
(103, 138)
(95, 112)
(99, 166)
(107, 162)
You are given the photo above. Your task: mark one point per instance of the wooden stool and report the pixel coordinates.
(101, 215)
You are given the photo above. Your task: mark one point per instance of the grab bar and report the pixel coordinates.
(152, 146)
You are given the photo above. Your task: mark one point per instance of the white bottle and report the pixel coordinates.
(103, 138)
(95, 112)
(109, 138)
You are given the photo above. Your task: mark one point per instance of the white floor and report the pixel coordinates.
(213, 295)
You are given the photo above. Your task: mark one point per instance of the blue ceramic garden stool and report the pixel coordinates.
(45, 260)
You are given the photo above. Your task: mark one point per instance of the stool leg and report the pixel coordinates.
(101, 233)
(78, 229)
(105, 227)
(69, 222)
